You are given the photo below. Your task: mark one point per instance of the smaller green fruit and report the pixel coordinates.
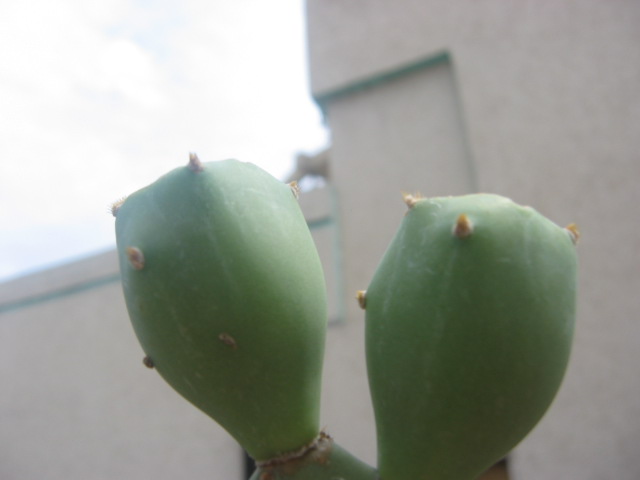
(469, 323)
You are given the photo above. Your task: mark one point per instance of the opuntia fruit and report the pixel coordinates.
(469, 323)
(225, 291)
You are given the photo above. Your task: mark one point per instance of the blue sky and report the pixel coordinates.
(98, 99)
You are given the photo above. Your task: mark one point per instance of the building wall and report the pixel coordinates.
(77, 403)
(535, 100)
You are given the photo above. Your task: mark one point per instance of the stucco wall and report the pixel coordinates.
(76, 401)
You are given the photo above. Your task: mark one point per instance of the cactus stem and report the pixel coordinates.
(574, 233)
(319, 446)
(361, 296)
(115, 206)
(411, 200)
(228, 340)
(136, 258)
(295, 189)
(195, 165)
(463, 227)
(148, 362)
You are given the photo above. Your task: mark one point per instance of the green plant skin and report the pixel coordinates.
(467, 338)
(328, 462)
(229, 304)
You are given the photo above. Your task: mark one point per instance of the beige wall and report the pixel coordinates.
(540, 101)
(76, 402)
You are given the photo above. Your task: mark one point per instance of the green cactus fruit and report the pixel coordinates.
(226, 295)
(469, 324)
(322, 460)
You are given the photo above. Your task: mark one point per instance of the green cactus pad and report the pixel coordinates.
(469, 324)
(226, 295)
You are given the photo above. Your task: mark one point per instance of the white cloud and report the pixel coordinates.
(98, 100)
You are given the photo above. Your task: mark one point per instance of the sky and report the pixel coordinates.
(99, 99)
